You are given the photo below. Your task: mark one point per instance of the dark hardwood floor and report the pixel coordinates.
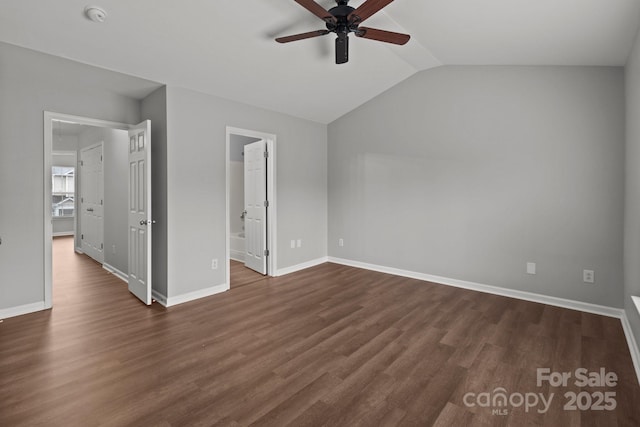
(241, 275)
(330, 345)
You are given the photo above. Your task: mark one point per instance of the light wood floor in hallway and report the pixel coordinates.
(330, 345)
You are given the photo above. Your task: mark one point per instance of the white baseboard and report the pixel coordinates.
(236, 255)
(496, 290)
(633, 345)
(62, 233)
(6, 313)
(162, 299)
(190, 296)
(119, 274)
(302, 266)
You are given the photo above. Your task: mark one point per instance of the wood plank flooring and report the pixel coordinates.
(330, 345)
(241, 276)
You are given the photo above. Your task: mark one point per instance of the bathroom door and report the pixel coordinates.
(255, 205)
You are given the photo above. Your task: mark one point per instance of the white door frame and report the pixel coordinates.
(49, 117)
(271, 195)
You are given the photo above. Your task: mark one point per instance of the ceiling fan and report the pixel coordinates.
(344, 19)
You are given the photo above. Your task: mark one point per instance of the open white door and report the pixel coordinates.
(255, 205)
(140, 221)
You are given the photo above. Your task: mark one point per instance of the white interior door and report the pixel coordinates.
(92, 202)
(140, 221)
(255, 205)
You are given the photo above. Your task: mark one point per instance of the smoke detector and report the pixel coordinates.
(95, 13)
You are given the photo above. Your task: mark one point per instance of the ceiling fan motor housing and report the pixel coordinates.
(344, 19)
(341, 13)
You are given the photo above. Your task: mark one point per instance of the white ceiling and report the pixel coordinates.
(226, 48)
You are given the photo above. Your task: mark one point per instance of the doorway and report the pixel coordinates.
(250, 200)
(94, 144)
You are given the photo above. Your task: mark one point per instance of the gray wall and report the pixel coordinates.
(632, 194)
(188, 139)
(196, 125)
(31, 83)
(116, 190)
(470, 172)
(154, 108)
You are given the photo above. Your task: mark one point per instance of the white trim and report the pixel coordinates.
(63, 233)
(190, 296)
(161, 298)
(237, 255)
(49, 117)
(633, 345)
(636, 301)
(5, 313)
(512, 293)
(301, 266)
(119, 274)
(271, 196)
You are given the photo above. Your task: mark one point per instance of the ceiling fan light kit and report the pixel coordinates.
(344, 19)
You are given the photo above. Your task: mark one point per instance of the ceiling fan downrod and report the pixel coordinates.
(343, 19)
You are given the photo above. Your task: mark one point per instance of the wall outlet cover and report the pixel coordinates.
(531, 268)
(588, 276)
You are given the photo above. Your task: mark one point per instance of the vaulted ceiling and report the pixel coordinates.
(226, 48)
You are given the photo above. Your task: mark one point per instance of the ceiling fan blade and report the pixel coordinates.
(342, 48)
(382, 35)
(367, 9)
(317, 10)
(302, 36)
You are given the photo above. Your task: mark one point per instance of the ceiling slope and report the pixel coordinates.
(227, 48)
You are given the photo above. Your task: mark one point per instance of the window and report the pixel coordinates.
(63, 191)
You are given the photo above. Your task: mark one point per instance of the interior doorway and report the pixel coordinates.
(101, 146)
(251, 201)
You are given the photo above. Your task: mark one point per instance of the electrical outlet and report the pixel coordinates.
(588, 276)
(214, 264)
(293, 244)
(299, 243)
(341, 242)
(531, 268)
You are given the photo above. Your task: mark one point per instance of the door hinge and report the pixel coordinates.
(101, 245)
(82, 237)
(101, 202)
(82, 199)
(266, 154)
(266, 252)
(81, 162)
(266, 203)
